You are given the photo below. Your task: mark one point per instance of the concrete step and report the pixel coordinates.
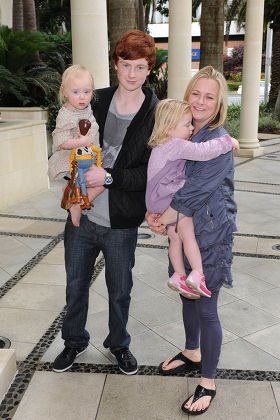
(8, 370)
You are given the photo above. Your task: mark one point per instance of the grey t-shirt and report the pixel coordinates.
(114, 132)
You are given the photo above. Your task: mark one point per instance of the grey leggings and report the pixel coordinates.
(202, 324)
(201, 321)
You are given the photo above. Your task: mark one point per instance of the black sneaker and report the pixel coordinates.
(66, 358)
(126, 360)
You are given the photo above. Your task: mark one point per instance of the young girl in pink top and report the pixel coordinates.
(166, 174)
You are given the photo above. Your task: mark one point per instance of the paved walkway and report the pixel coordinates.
(32, 287)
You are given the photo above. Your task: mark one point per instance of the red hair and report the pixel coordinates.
(133, 45)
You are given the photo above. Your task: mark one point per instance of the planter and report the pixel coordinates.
(24, 166)
(24, 113)
(28, 113)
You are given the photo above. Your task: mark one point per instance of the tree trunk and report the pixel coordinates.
(147, 15)
(212, 34)
(277, 107)
(275, 66)
(17, 15)
(141, 23)
(29, 15)
(122, 16)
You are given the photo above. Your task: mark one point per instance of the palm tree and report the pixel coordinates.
(24, 15)
(29, 15)
(122, 16)
(237, 10)
(17, 15)
(212, 34)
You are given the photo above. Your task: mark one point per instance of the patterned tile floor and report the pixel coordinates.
(32, 306)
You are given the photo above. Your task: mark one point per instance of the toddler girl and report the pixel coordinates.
(75, 94)
(166, 174)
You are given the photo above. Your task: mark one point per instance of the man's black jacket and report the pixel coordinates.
(127, 192)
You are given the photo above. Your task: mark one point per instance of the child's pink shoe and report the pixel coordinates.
(196, 282)
(177, 283)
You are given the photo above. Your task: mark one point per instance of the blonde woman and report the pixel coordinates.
(166, 175)
(207, 196)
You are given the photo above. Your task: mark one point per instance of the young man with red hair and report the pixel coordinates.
(125, 115)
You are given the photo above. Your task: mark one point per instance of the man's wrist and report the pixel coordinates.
(108, 179)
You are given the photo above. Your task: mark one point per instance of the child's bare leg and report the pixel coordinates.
(191, 250)
(76, 212)
(176, 251)
(196, 279)
(75, 209)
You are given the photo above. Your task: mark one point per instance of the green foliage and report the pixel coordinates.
(31, 66)
(233, 112)
(233, 127)
(267, 122)
(52, 14)
(19, 48)
(158, 76)
(237, 77)
(60, 55)
(232, 86)
(12, 85)
(53, 108)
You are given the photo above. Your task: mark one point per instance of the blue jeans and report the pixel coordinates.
(82, 246)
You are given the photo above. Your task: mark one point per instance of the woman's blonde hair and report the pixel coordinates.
(209, 72)
(75, 70)
(168, 113)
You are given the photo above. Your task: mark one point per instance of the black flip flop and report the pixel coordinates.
(186, 367)
(200, 392)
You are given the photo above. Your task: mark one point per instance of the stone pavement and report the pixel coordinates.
(32, 306)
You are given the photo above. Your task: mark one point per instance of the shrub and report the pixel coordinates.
(233, 86)
(31, 67)
(234, 64)
(233, 112)
(233, 127)
(267, 124)
(53, 108)
(158, 77)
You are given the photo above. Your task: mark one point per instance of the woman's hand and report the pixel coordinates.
(95, 176)
(154, 225)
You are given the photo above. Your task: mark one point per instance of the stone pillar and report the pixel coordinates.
(90, 38)
(6, 12)
(179, 47)
(249, 143)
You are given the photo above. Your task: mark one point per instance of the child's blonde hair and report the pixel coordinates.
(76, 70)
(168, 114)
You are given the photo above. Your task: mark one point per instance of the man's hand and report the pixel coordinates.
(154, 225)
(95, 176)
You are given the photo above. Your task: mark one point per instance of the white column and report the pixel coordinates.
(90, 38)
(6, 12)
(249, 143)
(179, 47)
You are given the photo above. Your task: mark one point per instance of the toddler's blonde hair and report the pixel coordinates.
(168, 113)
(78, 71)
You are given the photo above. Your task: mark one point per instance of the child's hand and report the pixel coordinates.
(85, 141)
(235, 144)
(154, 225)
